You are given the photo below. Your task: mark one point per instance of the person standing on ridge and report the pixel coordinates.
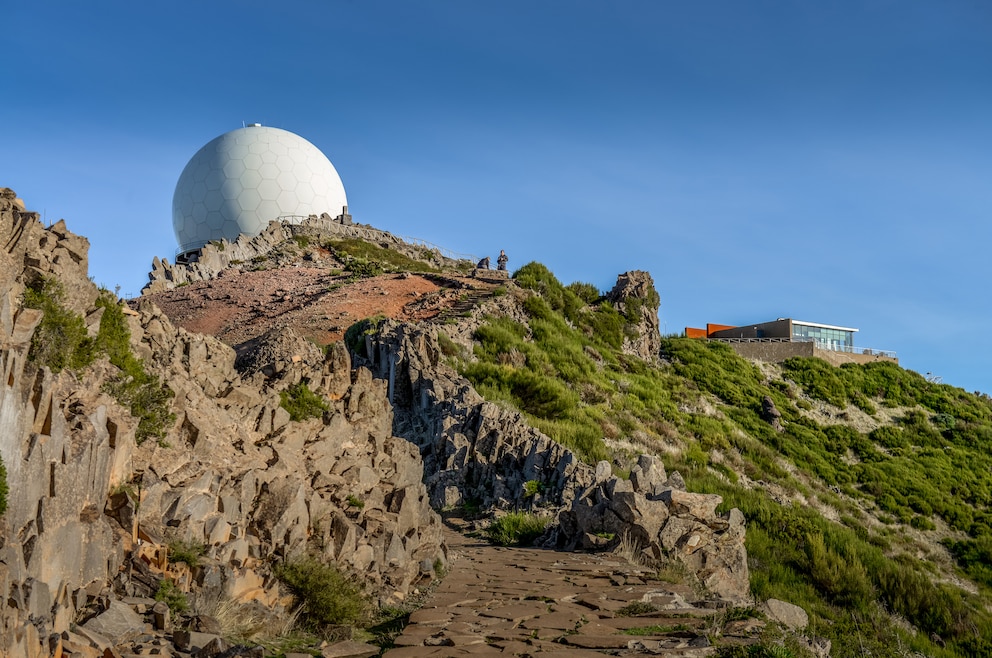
(501, 261)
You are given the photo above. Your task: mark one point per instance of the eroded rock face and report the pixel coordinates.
(233, 472)
(478, 451)
(246, 253)
(634, 295)
(665, 521)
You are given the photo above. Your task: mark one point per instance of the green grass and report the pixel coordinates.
(143, 393)
(516, 529)
(172, 596)
(934, 464)
(324, 594)
(60, 341)
(302, 403)
(636, 609)
(187, 552)
(358, 253)
(354, 336)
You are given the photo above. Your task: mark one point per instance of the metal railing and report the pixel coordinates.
(831, 347)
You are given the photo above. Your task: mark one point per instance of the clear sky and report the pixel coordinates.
(826, 161)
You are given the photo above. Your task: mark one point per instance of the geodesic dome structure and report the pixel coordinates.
(244, 179)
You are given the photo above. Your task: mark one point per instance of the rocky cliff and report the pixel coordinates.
(96, 509)
(481, 452)
(91, 513)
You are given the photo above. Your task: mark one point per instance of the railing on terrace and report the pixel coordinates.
(849, 349)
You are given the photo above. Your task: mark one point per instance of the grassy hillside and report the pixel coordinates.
(870, 508)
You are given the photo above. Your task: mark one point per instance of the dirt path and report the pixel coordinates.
(500, 601)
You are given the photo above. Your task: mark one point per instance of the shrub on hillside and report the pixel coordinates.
(302, 403)
(60, 341)
(585, 291)
(144, 394)
(354, 336)
(325, 595)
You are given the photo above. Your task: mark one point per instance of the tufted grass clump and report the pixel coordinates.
(517, 529)
(302, 403)
(324, 594)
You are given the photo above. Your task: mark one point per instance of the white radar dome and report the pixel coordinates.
(244, 179)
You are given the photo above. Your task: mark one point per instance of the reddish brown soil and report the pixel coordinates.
(239, 306)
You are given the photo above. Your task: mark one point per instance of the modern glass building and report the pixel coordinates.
(826, 336)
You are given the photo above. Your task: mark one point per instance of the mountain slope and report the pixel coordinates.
(865, 487)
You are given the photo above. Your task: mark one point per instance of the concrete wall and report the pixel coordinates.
(777, 352)
(773, 352)
(840, 358)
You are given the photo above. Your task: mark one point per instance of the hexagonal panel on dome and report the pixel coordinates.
(249, 200)
(305, 194)
(239, 182)
(268, 189)
(252, 161)
(267, 211)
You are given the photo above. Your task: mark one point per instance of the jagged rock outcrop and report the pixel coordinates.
(635, 296)
(657, 514)
(770, 413)
(478, 451)
(90, 511)
(263, 251)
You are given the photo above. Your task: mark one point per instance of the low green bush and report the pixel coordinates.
(532, 488)
(187, 552)
(447, 346)
(325, 595)
(143, 393)
(172, 596)
(302, 403)
(60, 341)
(517, 529)
(585, 291)
(354, 336)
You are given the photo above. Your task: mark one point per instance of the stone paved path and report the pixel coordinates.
(500, 601)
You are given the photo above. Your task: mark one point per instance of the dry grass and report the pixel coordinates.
(631, 550)
(247, 623)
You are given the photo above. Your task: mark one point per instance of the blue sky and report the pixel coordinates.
(826, 161)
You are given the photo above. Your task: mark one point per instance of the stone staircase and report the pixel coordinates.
(465, 303)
